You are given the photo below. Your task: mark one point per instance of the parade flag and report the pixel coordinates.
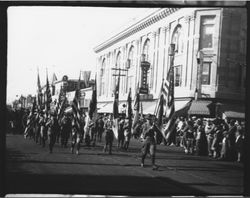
(141, 110)
(93, 104)
(86, 77)
(159, 116)
(76, 106)
(115, 110)
(136, 109)
(30, 119)
(170, 108)
(48, 96)
(39, 91)
(59, 103)
(54, 79)
(129, 109)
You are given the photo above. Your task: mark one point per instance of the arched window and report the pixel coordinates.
(131, 68)
(177, 39)
(118, 60)
(117, 66)
(145, 51)
(102, 75)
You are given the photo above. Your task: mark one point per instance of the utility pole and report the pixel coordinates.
(119, 75)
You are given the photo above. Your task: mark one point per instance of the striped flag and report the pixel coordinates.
(48, 97)
(60, 104)
(170, 108)
(159, 116)
(30, 119)
(76, 106)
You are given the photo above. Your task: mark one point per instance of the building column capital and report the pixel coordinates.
(192, 16)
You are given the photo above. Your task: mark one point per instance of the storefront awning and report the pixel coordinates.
(100, 105)
(180, 106)
(107, 108)
(233, 111)
(200, 108)
(148, 107)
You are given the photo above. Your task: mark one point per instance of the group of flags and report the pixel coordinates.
(164, 108)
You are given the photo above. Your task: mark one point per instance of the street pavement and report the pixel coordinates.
(32, 169)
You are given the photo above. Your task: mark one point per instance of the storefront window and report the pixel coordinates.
(103, 77)
(177, 77)
(207, 31)
(130, 67)
(177, 39)
(206, 73)
(146, 50)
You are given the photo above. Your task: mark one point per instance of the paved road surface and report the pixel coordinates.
(32, 169)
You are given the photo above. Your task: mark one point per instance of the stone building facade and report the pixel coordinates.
(215, 36)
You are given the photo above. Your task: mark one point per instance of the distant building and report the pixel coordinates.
(69, 86)
(214, 36)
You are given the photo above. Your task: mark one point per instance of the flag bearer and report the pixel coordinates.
(109, 134)
(127, 134)
(149, 144)
(52, 127)
(76, 138)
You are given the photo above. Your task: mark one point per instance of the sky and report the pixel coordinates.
(58, 39)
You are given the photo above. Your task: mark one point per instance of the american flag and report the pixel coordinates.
(170, 108)
(31, 119)
(60, 103)
(160, 107)
(76, 107)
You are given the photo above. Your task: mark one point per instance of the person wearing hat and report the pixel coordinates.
(121, 137)
(149, 144)
(127, 133)
(239, 143)
(51, 130)
(225, 144)
(109, 135)
(100, 128)
(37, 128)
(232, 138)
(43, 129)
(209, 130)
(65, 130)
(75, 138)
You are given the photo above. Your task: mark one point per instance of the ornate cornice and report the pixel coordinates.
(147, 21)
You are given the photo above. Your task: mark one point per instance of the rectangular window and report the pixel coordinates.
(206, 73)
(177, 75)
(206, 31)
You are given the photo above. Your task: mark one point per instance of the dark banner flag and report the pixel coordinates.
(129, 109)
(116, 110)
(39, 92)
(48, 96)
(93, 103)
(136, 109)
